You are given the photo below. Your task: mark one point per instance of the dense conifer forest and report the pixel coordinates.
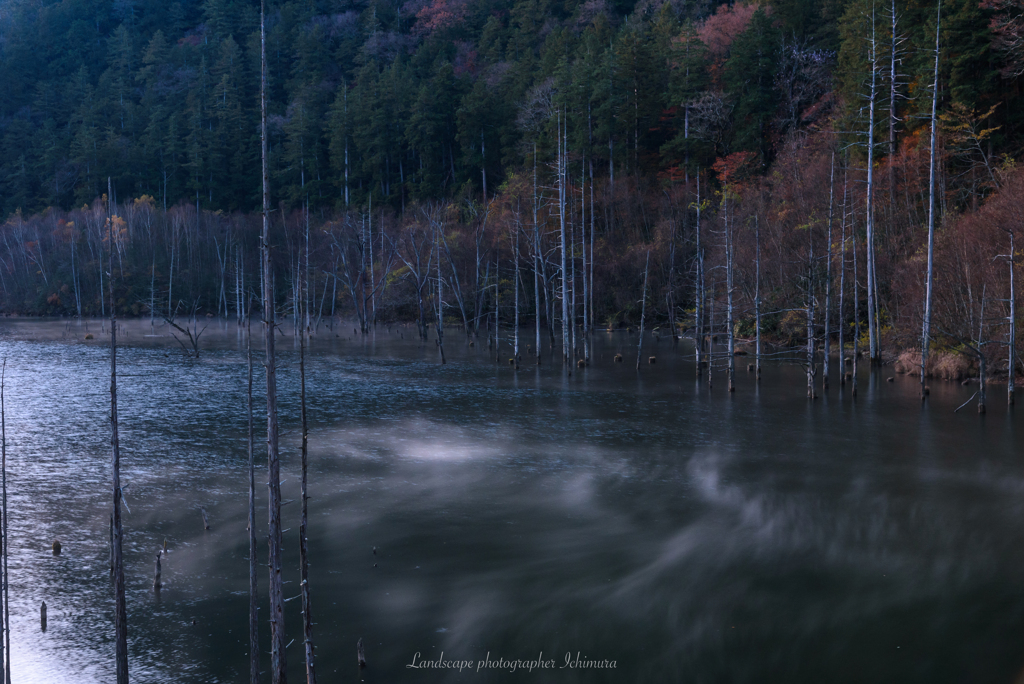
(496, 163)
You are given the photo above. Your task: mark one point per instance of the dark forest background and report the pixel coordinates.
(444, 142)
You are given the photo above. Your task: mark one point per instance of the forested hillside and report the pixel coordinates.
(496, 147)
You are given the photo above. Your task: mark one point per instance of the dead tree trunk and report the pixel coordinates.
(536, 256)
(810, 315)
(1012, 361)
(856, 315)
(757, 298)
(826, 341)
(307, 615)
(6, 617)
(730, 333)
(698, 309)
(842, 290)
(561, 220)
(440, 296)
(120, 611)
(872, 303)
(254, 640)
(643, 311)
(278, 659)
(926, 333)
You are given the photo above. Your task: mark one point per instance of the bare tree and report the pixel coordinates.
(869, 202)
(926, 333)
(120, 611)
(826, 341)
(307, 615)
(278, 660)
(254, 639)
(6, 617)
(643, 311)
(437, 229)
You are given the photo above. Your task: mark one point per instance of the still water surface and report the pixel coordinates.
(689, 535)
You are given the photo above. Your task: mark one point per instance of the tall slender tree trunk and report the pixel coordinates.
(826, 342)
(307, 614)
(593, 318)
(254, 639)
(5, 598)
(643, 311)
(856, 315)
(120, 610)
(1012, 360)
(170, 277)
(583, 252)
(6, 514)
(698, 309)
(536, 255)
(926, 332)
(842, 291)
(561, 220)
(757, 297)
(982, 377)
(870, 210)
(278, 659)
(515, 258)
(729, 278)
(894, 44)
(440, 300)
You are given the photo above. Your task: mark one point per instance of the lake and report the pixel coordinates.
(687, 534)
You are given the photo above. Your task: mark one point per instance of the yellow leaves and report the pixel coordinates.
(964, 126)
(145, 201)
(117, 226)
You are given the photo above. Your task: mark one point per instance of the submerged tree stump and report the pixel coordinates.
(56, 547)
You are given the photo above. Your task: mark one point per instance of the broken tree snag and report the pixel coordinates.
(360, 654)
(56, 547)
(206, 523)
(42, 616)
(156, 573)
